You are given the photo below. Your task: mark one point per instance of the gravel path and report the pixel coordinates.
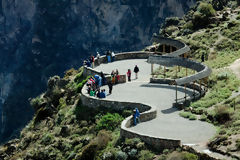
(168, 123)
(235, 67)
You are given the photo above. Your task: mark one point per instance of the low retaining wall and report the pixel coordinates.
(182, 102)
(88, 71)
(156, 142)
(95, 102)
(147, 113)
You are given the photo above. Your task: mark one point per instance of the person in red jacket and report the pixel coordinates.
(129, 75)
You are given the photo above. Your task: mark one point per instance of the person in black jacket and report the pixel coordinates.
(110, 86)
(136, 70)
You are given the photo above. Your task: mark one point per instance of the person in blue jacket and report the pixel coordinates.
(136, 115)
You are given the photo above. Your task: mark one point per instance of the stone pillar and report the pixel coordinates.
(171, 49)
(164, 48)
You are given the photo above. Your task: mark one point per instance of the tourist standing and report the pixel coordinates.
(117, 76)
(108, 56)
(110, 86)
(136, 70)
(129, 75)
(93, 61)
(136, 115)
(113, 56)
(104, 80)
(98, 57)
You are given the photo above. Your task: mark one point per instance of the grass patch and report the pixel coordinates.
(221, 84)
(188, 115)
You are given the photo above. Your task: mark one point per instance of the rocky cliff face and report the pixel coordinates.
(45, 37)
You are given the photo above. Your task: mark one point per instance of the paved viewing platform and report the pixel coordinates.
(168, 124)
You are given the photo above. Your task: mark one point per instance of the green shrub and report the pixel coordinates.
(146, 155)
(238, 144)
(70, 72)
(206, 9)
(203, 117)
(103, 138)
(62, 103)
(202, 15)
(189, 156)
(36, 102)
(109, 121)
(120, 155)
(188, 115)
(222, 113)
(47, 139)
(81, 84)
(132, 142)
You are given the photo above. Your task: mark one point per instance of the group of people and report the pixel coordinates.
(94, 83)
(110, 56)
(115, 77)
(89, 62)
(136, 70)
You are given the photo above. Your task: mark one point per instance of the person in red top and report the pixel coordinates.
(129, 75)
(93, 60)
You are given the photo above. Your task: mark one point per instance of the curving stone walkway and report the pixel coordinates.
(168, 123)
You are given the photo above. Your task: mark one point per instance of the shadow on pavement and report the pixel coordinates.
(180, 89)
(169, 110)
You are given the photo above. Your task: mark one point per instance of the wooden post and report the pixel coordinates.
(164, 48)
(171, 49)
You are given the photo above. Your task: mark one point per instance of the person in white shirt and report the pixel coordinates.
(113, 56)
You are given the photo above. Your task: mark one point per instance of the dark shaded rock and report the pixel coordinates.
(171, 21)
(42, 114)
(64, 131)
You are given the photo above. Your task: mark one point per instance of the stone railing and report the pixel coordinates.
(88, 71)
(202, 70)
(147, 113)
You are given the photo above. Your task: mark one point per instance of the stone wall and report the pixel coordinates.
(155, 142)
(95, 102)
(147, 113)
(88, 71)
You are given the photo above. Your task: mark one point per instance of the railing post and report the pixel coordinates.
(185, 93)
(194, 89)
(176, 89)
(200, 87)
(164, 48)
(164, 70)
(152, 69)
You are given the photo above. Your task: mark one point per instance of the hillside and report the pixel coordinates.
(62, 128)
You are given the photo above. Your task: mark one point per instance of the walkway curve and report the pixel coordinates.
(150, 114)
